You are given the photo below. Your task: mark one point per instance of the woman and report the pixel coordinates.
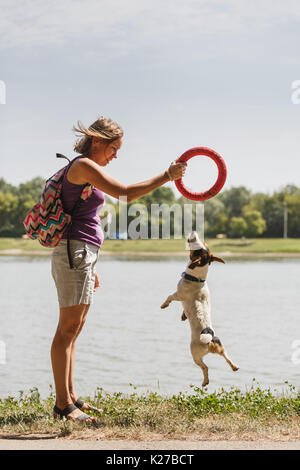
(98, 145)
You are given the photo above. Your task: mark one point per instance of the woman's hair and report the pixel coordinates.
(103, 128)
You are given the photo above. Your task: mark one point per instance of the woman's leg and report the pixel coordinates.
(70, 321)
(73, 395)
(72, 358)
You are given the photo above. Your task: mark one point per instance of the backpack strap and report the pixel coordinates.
(60, 155)
(85, 194)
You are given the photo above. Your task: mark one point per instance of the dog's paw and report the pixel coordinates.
(205, 382)
(235, 368)
(164, 305)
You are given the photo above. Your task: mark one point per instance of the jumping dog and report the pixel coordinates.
(192, 292)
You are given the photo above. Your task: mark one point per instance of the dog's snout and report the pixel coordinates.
(195, 242)
(193, 236)
(192, 239)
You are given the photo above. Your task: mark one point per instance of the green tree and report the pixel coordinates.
(237, 227)
(29, 194)
(161, 195)
(15, 203)
(271, 209)
(256, 224)
(215, 216)
(8, 208)
(235, 199)
(32, 188)
(293, 206)
(7, 188)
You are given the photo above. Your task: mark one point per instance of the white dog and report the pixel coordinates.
(192, 291)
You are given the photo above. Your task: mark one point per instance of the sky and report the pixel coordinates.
(174, 74)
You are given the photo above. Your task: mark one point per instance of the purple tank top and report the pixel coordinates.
(86, 225)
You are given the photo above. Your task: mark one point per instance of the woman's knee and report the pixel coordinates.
(67, 333)
(82, 319)
(67, 330)
(71, 322)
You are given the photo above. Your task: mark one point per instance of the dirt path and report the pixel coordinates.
(76, 444)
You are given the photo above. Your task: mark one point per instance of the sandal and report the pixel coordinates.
(58, 413)
(79, 404)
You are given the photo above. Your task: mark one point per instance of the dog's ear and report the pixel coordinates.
(215, 258)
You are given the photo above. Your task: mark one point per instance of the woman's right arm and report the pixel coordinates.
(85, 170)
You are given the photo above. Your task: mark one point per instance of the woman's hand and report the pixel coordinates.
(97, 282)
(177, 170)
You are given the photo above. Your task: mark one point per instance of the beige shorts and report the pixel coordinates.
(74, 286)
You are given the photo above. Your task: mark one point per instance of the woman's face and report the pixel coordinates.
(103, 152)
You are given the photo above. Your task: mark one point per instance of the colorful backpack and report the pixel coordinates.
(47, 221)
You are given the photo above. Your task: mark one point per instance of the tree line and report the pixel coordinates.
(235, 212)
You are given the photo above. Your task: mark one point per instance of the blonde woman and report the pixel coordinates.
(76, 281)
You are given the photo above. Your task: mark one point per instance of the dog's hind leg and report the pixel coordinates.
(170, 299)
(197, 353)
(233, 366)
(216, 347)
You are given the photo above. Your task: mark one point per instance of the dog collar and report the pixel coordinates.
(191, 278)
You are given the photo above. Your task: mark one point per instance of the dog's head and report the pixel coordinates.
(200, 254)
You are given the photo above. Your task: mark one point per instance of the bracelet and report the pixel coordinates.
(170, 177)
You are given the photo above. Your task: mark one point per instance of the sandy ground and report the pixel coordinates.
(76, 444)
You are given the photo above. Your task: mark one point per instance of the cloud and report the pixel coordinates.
(135, 23)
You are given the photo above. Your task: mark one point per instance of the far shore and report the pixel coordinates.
(225, 254)
(175, 248)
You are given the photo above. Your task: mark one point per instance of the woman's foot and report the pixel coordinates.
(81, 405)
(72, 413)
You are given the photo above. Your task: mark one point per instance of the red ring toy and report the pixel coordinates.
(218, 184)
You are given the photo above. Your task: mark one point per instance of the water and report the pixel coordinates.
(128, 339)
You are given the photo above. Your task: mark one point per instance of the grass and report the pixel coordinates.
(256, 245)
(232, 414)
(21, 244)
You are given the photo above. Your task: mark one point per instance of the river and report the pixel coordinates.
(128, 339)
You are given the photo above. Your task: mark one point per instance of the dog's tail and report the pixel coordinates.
(206, 335)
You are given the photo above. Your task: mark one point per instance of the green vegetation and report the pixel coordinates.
(235, 212)
(15, 202)
(257, 245)
(22, 245)
(226, 414)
